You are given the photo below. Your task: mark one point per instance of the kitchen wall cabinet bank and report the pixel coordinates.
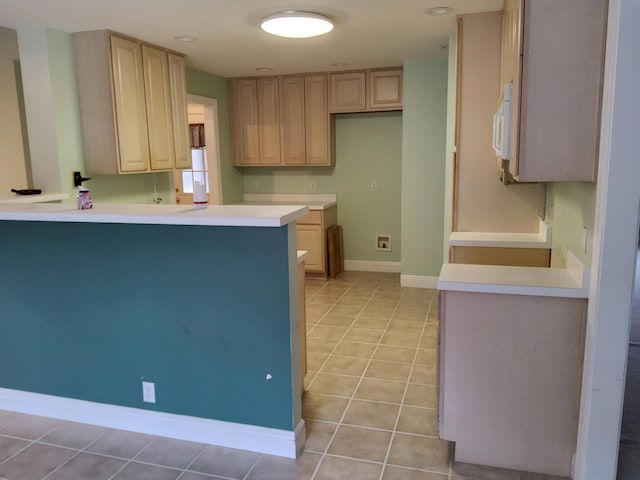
(132, 105)
(365, 91)
(553, 52)
(280, 121)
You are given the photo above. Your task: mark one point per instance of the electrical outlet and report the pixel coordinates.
(312, 185)
(374, 186)
(254, 185)
(148, 392)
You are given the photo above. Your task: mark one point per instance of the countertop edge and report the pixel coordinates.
(541, 239)
(214, 216)
(535, 291)
(570, 282)
(40, 198)
(321, 201)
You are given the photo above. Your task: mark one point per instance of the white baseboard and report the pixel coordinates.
(271, 441)
(370, 266)
(417, 281)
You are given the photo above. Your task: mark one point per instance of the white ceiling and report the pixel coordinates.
(367, 33)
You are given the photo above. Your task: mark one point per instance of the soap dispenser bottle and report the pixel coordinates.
(84, 198)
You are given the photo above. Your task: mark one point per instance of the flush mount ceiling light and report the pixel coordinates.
(292, 24)
(438, 10)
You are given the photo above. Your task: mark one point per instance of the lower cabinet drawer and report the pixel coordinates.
(314, 217)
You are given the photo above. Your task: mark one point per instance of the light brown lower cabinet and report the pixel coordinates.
(311, 233)
(510, 376)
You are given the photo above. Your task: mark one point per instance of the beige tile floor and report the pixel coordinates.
(369, 407)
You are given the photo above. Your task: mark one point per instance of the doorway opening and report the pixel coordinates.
(205, 152)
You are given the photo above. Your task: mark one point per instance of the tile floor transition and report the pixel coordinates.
(369, 407)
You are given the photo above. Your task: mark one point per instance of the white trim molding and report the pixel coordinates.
(418, 281)
(270, 441)
(615, 243)
(371, 266)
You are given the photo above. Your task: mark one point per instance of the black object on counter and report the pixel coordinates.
(27, 191)
(78, 179)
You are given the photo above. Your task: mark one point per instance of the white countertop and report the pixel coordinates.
(213, 215)
(312, 201)
(541, 239)
(570, 282)
(42, 197)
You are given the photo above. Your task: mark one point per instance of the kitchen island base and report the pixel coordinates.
(203, 304)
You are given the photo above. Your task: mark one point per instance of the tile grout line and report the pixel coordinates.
(313, 379)
(340, 421)
(337, 341)
(404, 394)
(78, 451)
(29, 440)
(128, 462)
(322, 455)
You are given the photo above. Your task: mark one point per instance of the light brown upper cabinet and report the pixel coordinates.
(256, 121)
(244, 121)
(129, 105)
(305, 120)
(268, 120)
(347, 92)
(158, 100)
(178, 86)
(280, 121)
(384, 89)
(553, 52)
(366, 90)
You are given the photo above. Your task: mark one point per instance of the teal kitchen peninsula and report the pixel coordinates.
(200, 305)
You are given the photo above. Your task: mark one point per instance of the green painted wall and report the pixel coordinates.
(65, 106)
(423, 166)
(570, 208)
(39, 91)
(135, 188)
(111, 311)
(368, 148)
(212, 86)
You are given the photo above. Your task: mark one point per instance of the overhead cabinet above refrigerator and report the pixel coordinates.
(553, 56)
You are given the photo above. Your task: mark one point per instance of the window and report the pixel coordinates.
(198, 172)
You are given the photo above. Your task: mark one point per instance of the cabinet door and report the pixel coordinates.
(560, 90)
(177, 84)
(316, 120)
(268, 121)
(131, 115)
(293, 121)
(384, 89)
(245, 100)
(310, 238)
(158, 101)
(347, 92)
